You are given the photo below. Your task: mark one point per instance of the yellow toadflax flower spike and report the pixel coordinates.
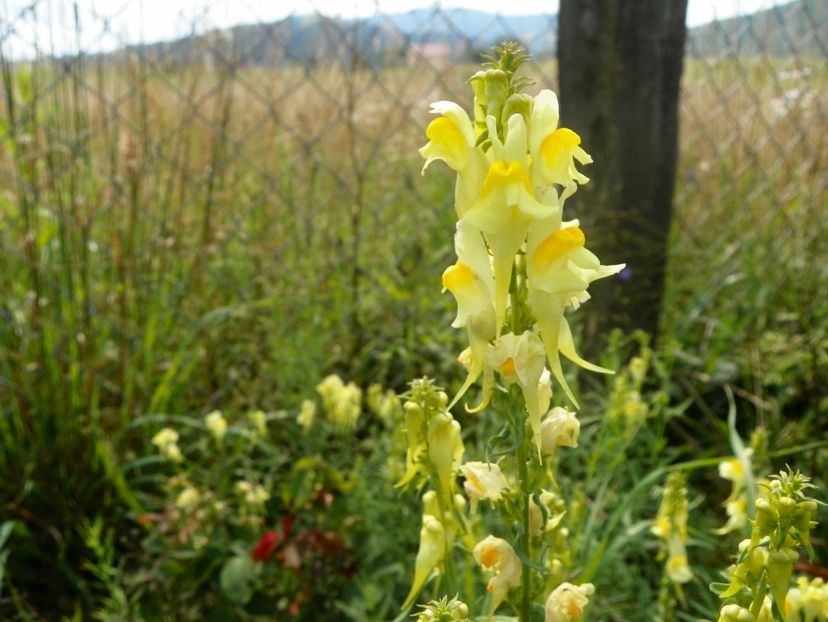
(507, 206)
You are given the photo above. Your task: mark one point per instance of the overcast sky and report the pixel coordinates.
(134, 21)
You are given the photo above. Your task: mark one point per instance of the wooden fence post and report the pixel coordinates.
(620, 64)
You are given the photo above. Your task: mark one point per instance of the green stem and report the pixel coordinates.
(759, 595)
(525, 538)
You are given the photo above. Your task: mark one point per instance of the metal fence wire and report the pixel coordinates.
(145, 182)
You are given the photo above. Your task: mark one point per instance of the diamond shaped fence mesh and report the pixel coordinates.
(219, 199)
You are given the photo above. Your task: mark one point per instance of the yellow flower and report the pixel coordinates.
(253, 495)
(733, 470)
(677, 567)
(188, 498)
(566, 603)
(808, 601)
(737, 518)
(507, 207)
(560, 269)
(671, 526)
(429, 555)
(520, 359)
(553, 149)
(166, 440)
(217, 425)
(495, 554)
(451, 139)
(560, 428)
(172, 452)
(470, 282)
(451, 136)
(342, 402)
(484, 480)
(307, 415)
(165, 436)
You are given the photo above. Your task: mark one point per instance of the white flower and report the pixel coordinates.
(484, 480)
(567, 602)
(560, 428)
(172, 452)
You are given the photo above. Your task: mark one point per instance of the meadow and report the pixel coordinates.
(179, 240)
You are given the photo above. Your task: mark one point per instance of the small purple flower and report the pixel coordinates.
(625, 274)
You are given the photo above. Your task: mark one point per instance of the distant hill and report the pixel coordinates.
(796, 28)
(477, 29)
(448, 35)
(375, 41)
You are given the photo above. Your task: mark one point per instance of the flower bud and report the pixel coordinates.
(430, 553)
(445, 448)
(735, 613)
(764, 522)
(519, 103)
(491, 86)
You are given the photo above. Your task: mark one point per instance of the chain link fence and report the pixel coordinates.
(259, 185)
